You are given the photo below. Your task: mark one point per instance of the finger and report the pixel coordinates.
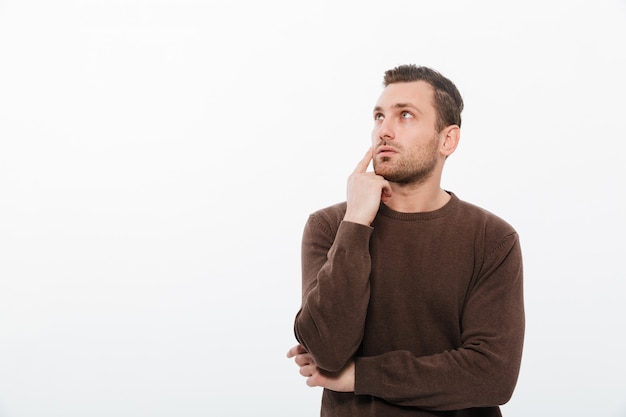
(314, 380)
(303, 359)
(308, 371)
(296, 350)
(364, 163)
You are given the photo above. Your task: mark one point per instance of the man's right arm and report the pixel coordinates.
(335, 272)
(335, 291)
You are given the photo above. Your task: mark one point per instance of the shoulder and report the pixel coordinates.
(483, 218)
(329, 218)
(491, 233)
(335, 211)
(493, 237)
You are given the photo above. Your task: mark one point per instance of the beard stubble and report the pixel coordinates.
(414, 167)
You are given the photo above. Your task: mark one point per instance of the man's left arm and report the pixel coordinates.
(481, 373)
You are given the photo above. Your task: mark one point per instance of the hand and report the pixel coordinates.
(342, 381)
(365, 192)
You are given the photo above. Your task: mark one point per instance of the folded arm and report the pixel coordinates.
(335, 291)
(483, 371)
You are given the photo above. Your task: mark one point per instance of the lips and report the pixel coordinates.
(386, 151)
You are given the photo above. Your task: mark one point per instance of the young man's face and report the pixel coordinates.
(406, 143)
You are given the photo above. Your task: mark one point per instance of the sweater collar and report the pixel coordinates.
(426, 215)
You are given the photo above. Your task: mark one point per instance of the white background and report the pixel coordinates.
(158, 160)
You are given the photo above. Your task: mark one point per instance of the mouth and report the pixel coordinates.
(385, 151)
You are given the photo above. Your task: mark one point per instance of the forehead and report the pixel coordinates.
(418, 93)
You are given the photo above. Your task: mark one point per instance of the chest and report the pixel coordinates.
(421, 271)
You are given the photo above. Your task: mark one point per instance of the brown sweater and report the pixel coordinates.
(430, 306)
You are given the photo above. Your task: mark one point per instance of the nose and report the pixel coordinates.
(385, 130)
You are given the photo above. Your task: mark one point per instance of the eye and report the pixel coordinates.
(406, 115)
(379, 116)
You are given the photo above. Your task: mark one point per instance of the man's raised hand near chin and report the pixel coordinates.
(342, 381)
(364, 192)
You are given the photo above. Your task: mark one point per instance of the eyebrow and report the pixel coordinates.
(400, 106)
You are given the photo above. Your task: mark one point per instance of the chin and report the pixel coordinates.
(386, 174)
(383, 169)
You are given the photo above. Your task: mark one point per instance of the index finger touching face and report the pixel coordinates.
(363, 163)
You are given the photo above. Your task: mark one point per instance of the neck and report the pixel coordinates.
(415, 198)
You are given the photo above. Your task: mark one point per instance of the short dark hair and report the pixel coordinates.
(448, 100)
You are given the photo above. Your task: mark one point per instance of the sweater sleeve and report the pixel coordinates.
(483, 371)
(335, 291)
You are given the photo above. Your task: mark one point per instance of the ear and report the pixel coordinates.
(451, 136)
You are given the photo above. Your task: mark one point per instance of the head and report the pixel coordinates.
(447, 100)
(416, 124)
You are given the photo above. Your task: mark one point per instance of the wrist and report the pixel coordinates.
(356, 218)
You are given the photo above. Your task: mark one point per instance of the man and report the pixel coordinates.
(412, 300)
